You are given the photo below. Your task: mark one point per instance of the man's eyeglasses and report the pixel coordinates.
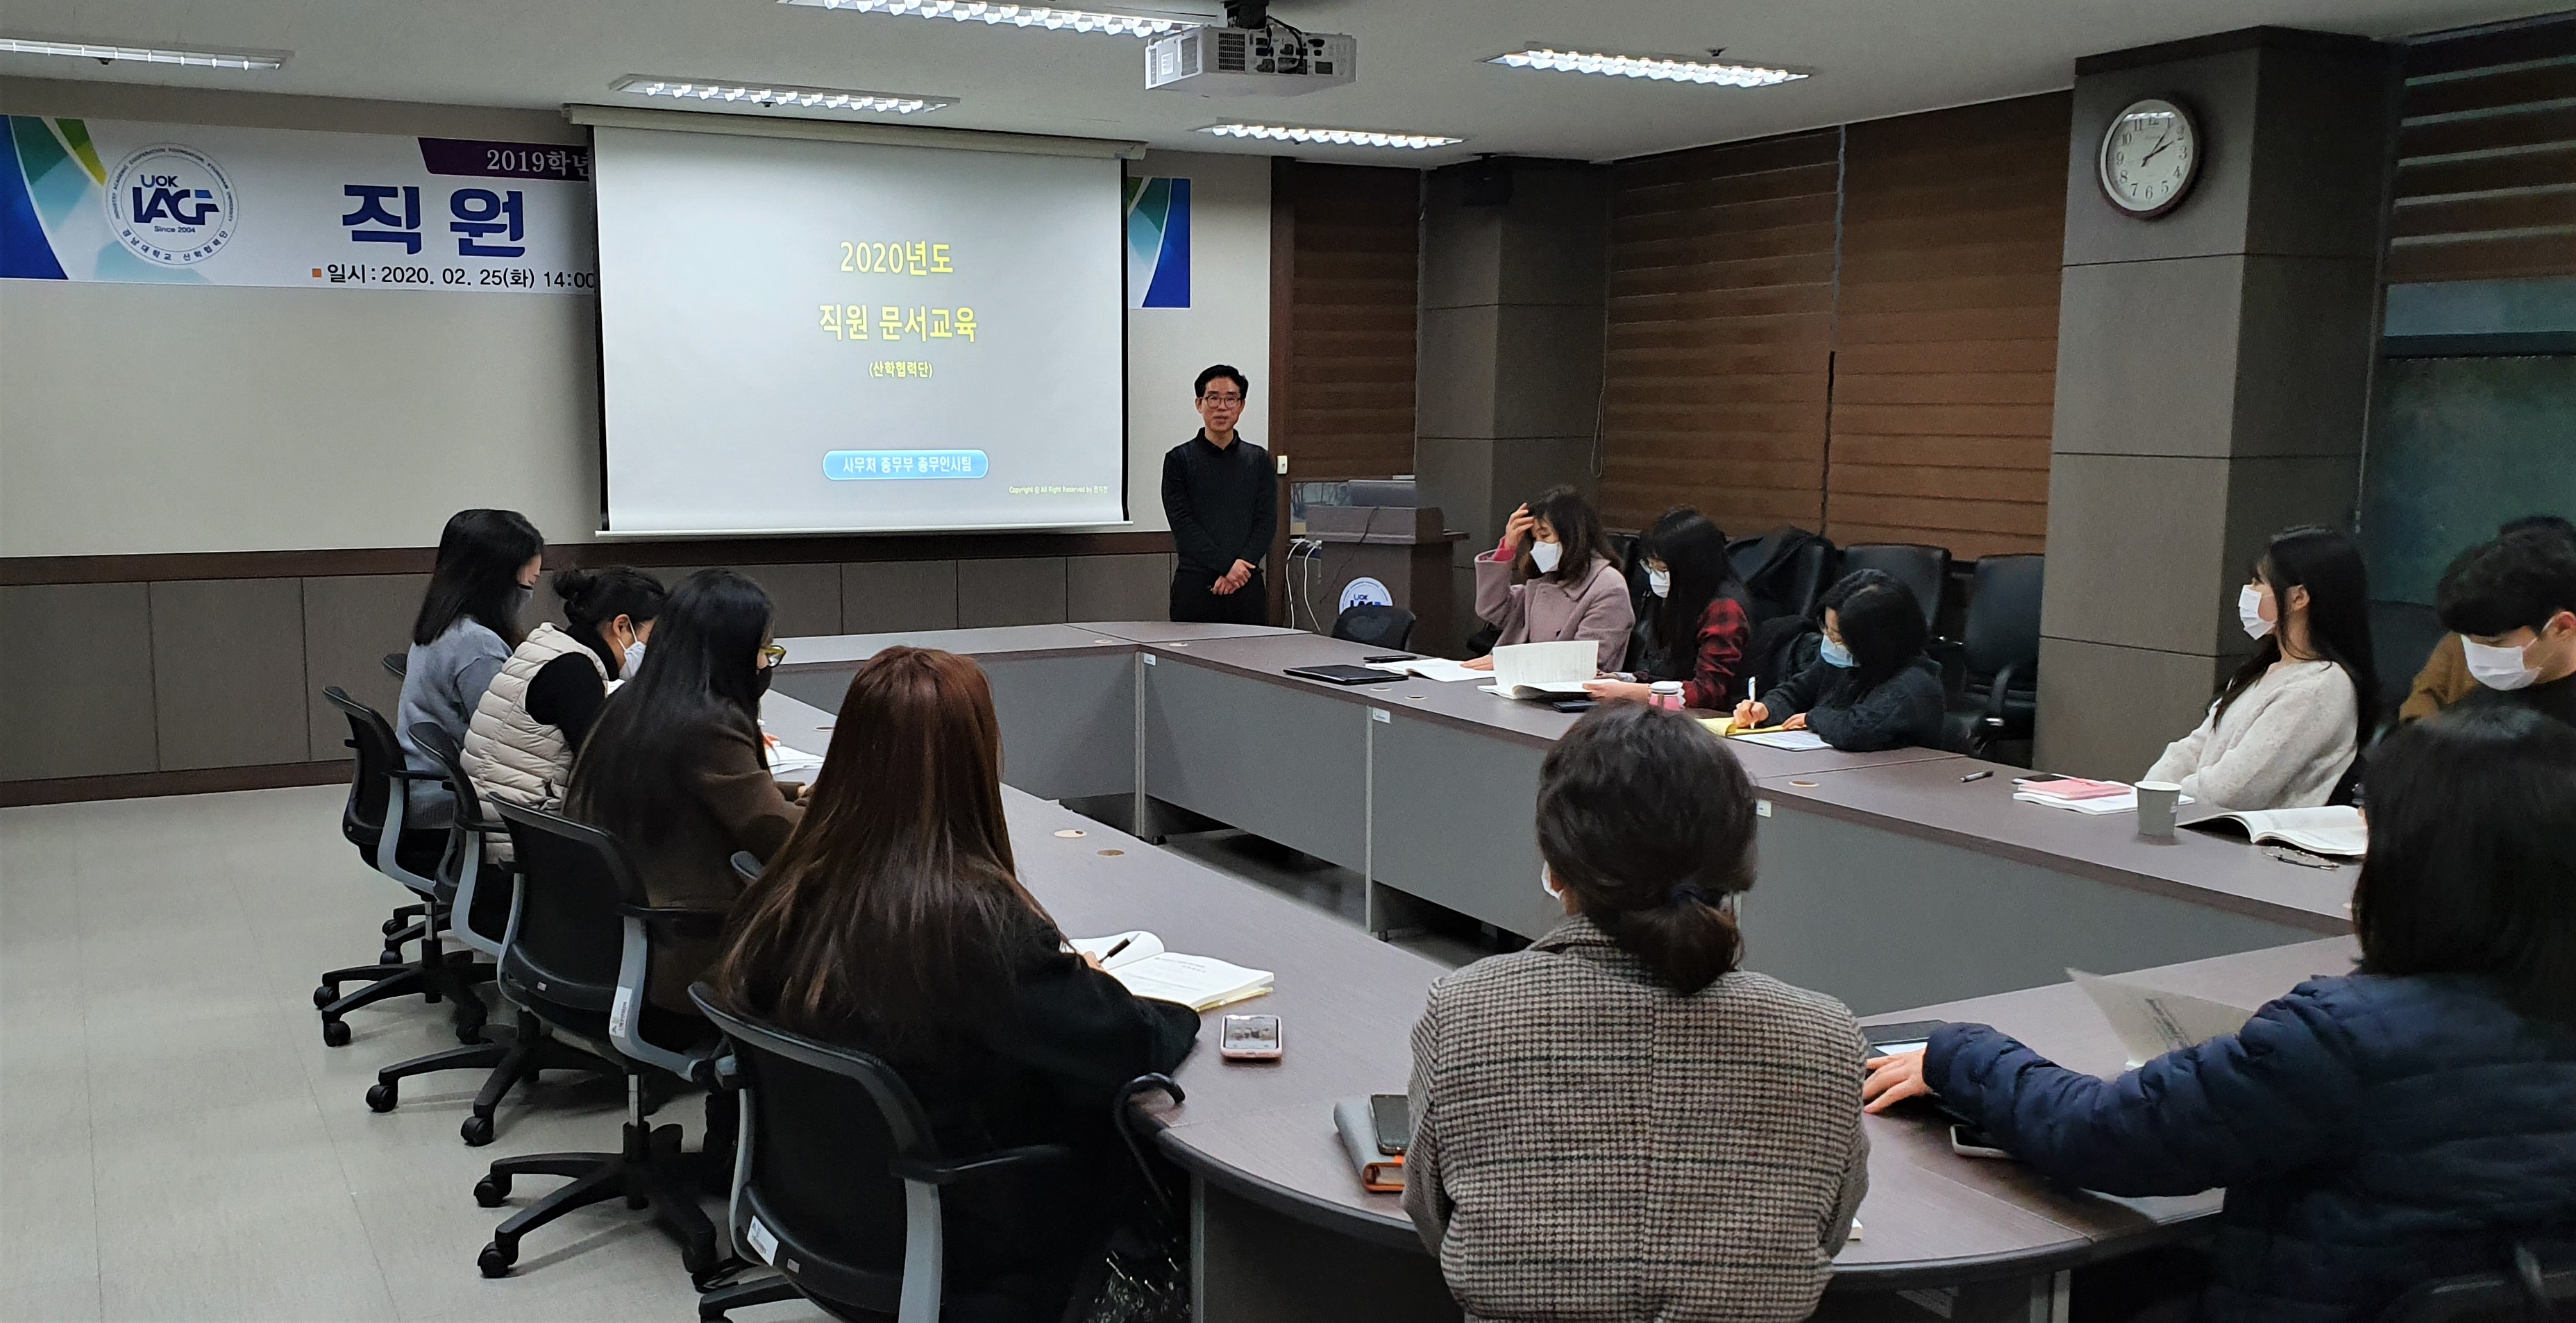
(1221, 400)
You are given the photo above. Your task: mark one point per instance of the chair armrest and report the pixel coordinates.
(681, 919)
(746, 865)
(1995, 692)
(948, 1173)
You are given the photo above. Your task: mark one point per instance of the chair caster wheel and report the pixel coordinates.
(335, 1033)
(382, 1095)
(477, 1131)
(491, 1192)
(471, 1033)
(389, 957)
(324, 995)
(495, 1261)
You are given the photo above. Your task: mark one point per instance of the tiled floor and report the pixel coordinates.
(177, 1143)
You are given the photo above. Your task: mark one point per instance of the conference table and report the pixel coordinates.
(1280, 1227)
(1889, 879)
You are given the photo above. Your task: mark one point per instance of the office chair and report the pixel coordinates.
(1924, 569)
(1783, 569)
(483, 900)
(579, 957)
(398, 664)
(839, 1183)
(2402, 638)
(1376, 626)
(2534, 1288)
(372, 820)
(1999, 697)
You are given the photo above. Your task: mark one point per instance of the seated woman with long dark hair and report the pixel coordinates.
(1700, 621)
(1870, 686)
(2405, 1122)
(676, 768)
(894, 922)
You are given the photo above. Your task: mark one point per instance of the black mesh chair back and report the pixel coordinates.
(374, 789)
(1924, 569)
(842, 1182)
(479, 887)
(2533, 1287)
(567, 932)
(1376, 626)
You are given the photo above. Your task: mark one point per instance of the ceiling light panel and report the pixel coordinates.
(780, 95)
(1018, 16)
(1332, 137)
(1655, 68)
(93, 50)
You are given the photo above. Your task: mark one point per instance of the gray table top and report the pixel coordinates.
(1928, 800)
(848, 650)
(1347, 1004)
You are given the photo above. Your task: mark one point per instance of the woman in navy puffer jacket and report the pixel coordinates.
(2406, 1122)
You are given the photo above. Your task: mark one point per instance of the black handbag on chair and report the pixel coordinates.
(1143, 1273)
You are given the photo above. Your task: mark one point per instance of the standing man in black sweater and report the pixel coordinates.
(1223, 501)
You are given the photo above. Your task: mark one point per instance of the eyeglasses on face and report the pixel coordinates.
(774, 653)
(1220, 401)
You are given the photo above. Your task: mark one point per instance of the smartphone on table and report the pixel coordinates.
(1391, 1115)
(1970, 1142)
(1250, 1038)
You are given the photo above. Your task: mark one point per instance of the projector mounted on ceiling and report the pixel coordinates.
(1253, 55)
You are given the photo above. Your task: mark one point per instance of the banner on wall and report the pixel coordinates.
(115, 201)
(1158, 243)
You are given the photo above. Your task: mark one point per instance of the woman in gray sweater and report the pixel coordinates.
(468, 623)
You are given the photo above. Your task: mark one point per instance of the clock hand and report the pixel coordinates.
(2159, 147)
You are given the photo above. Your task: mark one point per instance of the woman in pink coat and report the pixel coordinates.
(1554, 578)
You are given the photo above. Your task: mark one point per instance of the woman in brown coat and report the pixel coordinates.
(676, 767)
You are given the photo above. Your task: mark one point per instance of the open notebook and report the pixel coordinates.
(1545, 670)
(2331, 829)
(1198, 982)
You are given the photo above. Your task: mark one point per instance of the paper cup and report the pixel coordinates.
(2156, 803)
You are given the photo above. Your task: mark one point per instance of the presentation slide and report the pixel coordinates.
(836, 337)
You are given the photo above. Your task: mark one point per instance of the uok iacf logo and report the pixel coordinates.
(171, 205)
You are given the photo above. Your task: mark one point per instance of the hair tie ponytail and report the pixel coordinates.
(1688, 893)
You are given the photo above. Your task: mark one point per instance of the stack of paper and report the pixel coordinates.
(1796, 741)
(2083, 796)
(1545, 670)
(1148, 970)
(2152, 1022)
(1433, 668)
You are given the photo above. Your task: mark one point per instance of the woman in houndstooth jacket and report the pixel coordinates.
(1617, 1123)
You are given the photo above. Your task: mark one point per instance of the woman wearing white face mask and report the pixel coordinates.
(2285, 729)
(1553, 580)
(525, 733)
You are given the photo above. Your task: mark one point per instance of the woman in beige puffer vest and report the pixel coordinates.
(526, 731)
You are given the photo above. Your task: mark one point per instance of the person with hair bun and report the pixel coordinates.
(1619, 1122)
(527, 730)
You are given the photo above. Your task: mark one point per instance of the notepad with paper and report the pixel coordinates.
(2335, 829)
(1198, 982)
(1434, 668)
(2084, 796)
(1545, 670)
(2152, 1022)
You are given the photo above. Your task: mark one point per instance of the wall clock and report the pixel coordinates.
(2150, 156)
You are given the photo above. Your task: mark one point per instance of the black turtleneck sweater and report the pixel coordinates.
(1223, 504)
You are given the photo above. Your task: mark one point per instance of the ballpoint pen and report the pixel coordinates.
(1976, 776)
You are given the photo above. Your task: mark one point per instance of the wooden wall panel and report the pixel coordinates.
(2486, 170)
(1721, 332)
(1345, 290)
(1946, 337)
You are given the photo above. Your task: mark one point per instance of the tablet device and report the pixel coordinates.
(1341, 674)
